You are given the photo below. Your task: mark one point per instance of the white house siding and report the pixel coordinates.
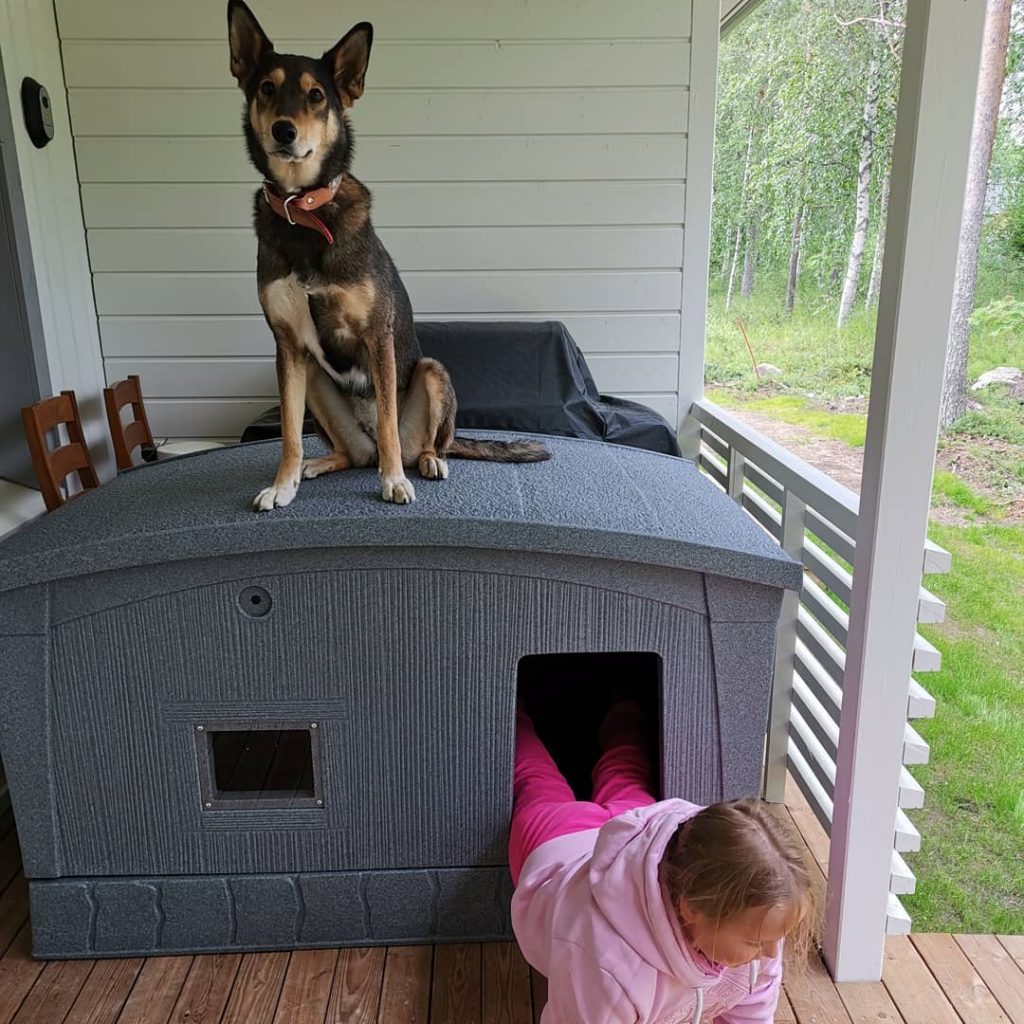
(528, 160)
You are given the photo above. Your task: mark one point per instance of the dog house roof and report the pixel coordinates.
(591, 499)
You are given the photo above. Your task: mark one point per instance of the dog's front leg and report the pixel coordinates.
(287, 311)
(291, 379)
(393, 483)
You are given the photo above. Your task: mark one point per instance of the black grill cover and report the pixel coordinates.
(523, 376)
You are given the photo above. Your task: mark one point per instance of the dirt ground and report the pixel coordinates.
(841, 462)
(980, 463)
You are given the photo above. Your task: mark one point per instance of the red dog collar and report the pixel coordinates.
(298, 208)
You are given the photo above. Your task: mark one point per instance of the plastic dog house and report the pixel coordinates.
(231, 731)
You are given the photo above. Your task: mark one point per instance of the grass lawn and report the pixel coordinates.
(801, 411)
(970, 869)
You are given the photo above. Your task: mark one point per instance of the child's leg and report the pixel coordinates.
(543, 804)
(623, 778)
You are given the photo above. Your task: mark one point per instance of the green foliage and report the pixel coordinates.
(792, 85)
(814, 357)
(1002, 316)
(1001, 419)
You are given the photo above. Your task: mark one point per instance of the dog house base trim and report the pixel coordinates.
(113, 917)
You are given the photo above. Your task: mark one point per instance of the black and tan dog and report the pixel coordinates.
(339, 312)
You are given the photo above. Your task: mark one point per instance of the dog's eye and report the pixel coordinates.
(267, 88)
(315, 96)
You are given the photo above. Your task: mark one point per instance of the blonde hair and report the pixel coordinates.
(733, 856)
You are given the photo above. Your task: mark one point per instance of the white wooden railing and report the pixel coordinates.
(815, 520)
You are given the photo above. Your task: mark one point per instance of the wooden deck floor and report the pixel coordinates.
(929, 979)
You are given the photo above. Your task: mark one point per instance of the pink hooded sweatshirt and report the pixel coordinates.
(591, 914)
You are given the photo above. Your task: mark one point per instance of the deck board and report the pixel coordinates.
(505, 985)
(358, 981)
(1014, 945)
(307, 987)
(156, 990)
(913, 987)
(207, 989)
(1002, 973)
(18, 974)
(959, 981)
(257, 989)
(54, 992)
(869, 1002)
(458, 973)
(406, 992)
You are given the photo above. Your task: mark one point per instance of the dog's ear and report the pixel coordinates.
(248, 42)
(348, 62)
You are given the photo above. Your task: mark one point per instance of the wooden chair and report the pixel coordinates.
(136, 434)
(53, 467)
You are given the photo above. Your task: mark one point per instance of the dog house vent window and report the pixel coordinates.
(271, 767)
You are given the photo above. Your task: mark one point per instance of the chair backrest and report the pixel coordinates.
(54, 466)
(136, 434)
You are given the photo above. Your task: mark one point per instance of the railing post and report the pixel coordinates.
(734, 476)
(777, 753)
(941, 57)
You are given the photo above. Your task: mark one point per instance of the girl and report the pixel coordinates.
(641, 912)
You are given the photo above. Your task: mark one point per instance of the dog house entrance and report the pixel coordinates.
(567, 696)
(262, 768)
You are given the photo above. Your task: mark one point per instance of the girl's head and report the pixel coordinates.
(740, 883)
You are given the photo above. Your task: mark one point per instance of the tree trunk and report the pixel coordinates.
(794, 260)
(876, 264)
(749, 259)
(739, 226)
(726, 251)
(860, 226)
(986, 113)
(732, 270)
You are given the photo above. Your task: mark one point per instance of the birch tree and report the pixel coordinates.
(749, 258)
(794, 260)
(863, 196)
(739, 225)
(875, 282)
(986, 114)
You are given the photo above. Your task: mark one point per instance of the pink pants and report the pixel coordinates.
(544, 806)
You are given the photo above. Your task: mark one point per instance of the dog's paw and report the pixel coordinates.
(274, 496)
(433, 468)
(398, 490)
(312, 468)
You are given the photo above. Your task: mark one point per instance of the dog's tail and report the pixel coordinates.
(498, 451)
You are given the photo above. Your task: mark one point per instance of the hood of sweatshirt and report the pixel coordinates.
(627, 885)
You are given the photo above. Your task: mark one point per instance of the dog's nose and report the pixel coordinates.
(284, 132)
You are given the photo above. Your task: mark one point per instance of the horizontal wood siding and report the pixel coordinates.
(174, 336)
(527, 162)
(181, 250)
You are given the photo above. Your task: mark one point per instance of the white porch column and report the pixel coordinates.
(940, 71)
(700, 172)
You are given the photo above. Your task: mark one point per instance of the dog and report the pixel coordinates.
(340, 315)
